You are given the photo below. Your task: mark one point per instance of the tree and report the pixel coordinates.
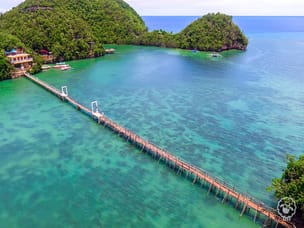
(5, 68)
(291, 184)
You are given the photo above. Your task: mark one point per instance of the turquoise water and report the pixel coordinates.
(236, 116)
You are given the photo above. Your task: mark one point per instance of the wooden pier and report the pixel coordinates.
(242, 201)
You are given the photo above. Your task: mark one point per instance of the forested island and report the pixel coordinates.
(76, 29)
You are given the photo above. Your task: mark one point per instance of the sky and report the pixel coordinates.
(201, 7)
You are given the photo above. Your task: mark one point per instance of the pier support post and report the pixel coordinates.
(211, 184)
(159, 159)
(187, 174)
(244, 208)
(178, 170)
(225, 197)
(248, 210)
(202, 182)
(237, 201)
(143, 147)
(217, 192)
(266, 222)
(277, 224)
(194, 179)
(255, 215)
(173, 166)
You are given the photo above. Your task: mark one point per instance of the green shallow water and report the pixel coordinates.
(236, 117)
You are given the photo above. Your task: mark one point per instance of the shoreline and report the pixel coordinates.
(185, 52)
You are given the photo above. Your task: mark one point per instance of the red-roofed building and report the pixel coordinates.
(46, 56)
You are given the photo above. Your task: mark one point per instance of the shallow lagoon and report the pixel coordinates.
(236, 116)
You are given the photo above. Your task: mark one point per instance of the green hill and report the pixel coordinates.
(213, 32)
(71, 28)
(112, 21)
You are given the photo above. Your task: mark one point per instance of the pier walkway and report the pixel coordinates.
(242, 201)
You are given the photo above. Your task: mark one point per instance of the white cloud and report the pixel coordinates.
(201, 7)
(232, 7)
(8, 4)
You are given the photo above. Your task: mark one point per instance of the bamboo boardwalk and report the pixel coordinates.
(214, 184)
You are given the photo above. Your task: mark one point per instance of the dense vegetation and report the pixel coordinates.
(75, 29)
(9, 42)
(72, 29)
(159, 38)
(213, 32)
(5, 68)
(49, 25)
(112, 21)
(291, 184)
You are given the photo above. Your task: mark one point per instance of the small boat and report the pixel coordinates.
(61, 63)
(45, 67)
(62, 66)
(110, 51)
(215, 55)
(57, 66)
(65, 67)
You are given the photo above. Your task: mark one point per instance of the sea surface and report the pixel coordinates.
(236, 116)
(248, 24)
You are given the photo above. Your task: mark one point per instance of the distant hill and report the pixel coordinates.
(212, 32)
